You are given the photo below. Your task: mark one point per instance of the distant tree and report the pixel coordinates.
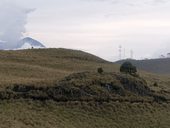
(100, 70)
(128, 68)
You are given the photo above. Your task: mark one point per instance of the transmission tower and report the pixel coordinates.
(124, 53)
(131, 54)
(120, 52)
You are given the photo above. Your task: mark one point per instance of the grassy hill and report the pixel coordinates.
(61, 88)
(43, 66)
(159, 66)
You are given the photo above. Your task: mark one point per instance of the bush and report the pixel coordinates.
(128, 68)
(155, 84)
(100, 70)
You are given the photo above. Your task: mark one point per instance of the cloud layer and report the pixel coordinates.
(96, 26)
(13, 19)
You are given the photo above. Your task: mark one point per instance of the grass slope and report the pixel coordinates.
(45, 66)
(41, 68)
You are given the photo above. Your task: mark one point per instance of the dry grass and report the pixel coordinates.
(45, 67)
(28, 114)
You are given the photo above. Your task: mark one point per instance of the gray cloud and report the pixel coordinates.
(140, 25)
(13, 19)
(132, 1)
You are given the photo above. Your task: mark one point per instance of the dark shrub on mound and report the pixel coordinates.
(155, 84)
(128, 68)
(100, 70)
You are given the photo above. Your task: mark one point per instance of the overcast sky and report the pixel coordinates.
(100, 26)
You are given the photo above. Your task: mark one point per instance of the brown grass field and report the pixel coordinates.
(45, 67)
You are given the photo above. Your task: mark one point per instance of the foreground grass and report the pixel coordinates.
(34, 114)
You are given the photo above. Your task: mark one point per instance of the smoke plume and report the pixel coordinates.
(13, 19)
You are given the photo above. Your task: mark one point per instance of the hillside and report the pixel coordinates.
(47, 66)
(44, 65)
(62, 88)
(159, 66)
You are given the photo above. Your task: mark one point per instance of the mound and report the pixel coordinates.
(108, 83)
(88, 86)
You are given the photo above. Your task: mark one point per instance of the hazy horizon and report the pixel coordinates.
(95, 26)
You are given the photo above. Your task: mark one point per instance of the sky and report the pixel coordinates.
(95, 26)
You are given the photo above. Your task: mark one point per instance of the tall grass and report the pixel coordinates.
(28, 114)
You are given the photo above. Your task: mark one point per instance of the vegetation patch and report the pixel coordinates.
(89, 86)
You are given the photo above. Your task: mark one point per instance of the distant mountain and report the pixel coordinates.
(160, 66)
(28, 42)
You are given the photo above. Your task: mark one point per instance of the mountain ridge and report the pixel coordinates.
(159, 66)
